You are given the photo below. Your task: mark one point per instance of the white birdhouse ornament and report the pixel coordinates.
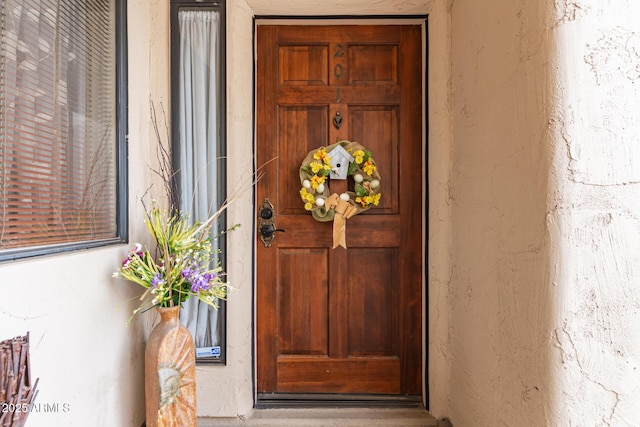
(340, 160)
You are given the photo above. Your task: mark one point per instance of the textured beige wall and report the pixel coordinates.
(545, 305)
(500, 302)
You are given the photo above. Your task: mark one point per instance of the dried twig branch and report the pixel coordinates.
(16, 390)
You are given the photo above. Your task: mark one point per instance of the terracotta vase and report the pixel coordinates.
(170, 373)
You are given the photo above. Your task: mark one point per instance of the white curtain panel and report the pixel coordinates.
(199, 139)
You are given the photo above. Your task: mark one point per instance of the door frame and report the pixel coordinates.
(289, 400)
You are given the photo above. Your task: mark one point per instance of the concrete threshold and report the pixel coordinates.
(343, 417)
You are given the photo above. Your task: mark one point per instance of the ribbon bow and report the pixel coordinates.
(344, 210)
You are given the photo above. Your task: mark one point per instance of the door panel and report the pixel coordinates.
(373, 305)
(336, 320)
(302, 295)
(378, 125)
(297, 124)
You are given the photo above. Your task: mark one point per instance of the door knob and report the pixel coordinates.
(267, 230)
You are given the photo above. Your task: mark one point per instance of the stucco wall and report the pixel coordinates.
(544, 304)
(89, 363)
(500, 299)
(594, 214)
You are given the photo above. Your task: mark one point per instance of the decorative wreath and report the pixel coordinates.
(318, 166)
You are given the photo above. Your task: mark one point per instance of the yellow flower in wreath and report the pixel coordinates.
(321, 154)
(307, 198)
(369, 168)
(316, 167)
(316, 181)
(358, 156)
(368, 200)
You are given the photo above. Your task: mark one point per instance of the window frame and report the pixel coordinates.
(121, 147)
(221, 174)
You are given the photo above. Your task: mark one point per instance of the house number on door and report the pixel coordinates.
(339, 51)
(338, 71)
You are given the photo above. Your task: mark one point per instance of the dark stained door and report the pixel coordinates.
(340, 320)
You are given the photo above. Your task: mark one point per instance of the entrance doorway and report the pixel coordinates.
(340, 321)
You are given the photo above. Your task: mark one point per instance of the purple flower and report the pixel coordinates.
(198, 281)
(136, 251)
(157, 280)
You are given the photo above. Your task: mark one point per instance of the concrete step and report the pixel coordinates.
(343, 417)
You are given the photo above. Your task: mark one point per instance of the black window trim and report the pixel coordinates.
(175, 8)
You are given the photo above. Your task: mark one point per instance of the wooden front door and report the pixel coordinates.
(340, 320)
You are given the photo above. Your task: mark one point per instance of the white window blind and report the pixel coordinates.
(58, 138)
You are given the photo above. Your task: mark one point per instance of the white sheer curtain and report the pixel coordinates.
(199, 142)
